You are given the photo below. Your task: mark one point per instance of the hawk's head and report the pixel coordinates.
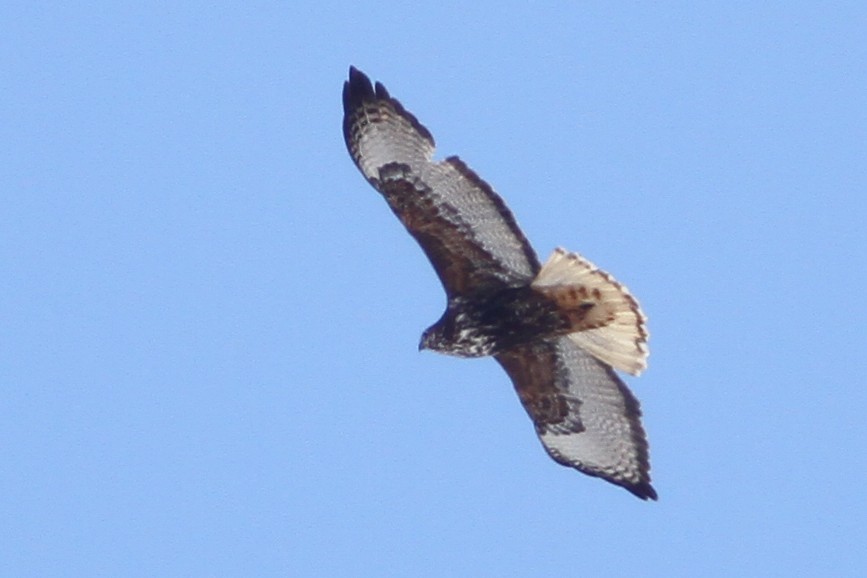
(430, 339)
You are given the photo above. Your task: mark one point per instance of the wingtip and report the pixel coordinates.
(643, 490)
(355, 75)
(381, 91)
(356, 90)
(359, 89)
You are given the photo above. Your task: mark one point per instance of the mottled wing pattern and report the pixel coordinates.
(584, 414)
(463, 226)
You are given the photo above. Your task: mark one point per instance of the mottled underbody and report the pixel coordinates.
(489, 323)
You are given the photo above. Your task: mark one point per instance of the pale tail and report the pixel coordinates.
(607, 321)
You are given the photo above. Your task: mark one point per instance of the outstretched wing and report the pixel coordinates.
(463, 226)
(584, 414)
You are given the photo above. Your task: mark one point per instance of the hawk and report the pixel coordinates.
(559, 329)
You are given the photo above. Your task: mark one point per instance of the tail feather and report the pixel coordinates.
(606, 319)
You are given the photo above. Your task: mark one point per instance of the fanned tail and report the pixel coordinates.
(606, 319)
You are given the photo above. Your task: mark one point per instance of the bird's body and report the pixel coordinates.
(559, 329)
(477, 326)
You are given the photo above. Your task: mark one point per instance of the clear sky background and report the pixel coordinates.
(209, 321)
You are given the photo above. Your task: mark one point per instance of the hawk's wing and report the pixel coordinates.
(463, 226)
(584, 414)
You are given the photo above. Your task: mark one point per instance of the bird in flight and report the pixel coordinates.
(559, 329)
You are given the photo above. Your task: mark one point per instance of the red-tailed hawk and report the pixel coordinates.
(559, 329)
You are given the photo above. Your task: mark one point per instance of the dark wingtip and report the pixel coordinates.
(643, 490)
(382, 92)
(357, 90)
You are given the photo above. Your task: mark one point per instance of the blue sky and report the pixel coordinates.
(209, 322)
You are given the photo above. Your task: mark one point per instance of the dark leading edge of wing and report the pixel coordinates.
(463, 226)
